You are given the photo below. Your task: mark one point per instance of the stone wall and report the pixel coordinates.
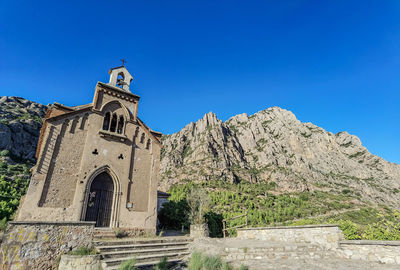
(74, 262)
(199, 231)
(377, 251)
(37, 245)
(327, 236)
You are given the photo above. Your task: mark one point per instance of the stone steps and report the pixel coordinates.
(139, 252)
(141, 241)
(131, 247)
(146, 252)
(147, 264)
(145, 260)
(104, 233)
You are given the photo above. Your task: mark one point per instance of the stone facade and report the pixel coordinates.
(37, 245)
(81, 148)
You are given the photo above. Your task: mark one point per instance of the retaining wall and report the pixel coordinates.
(377, 251)
(74, 262)
(330, 238)
(327, 236)
(37, 245)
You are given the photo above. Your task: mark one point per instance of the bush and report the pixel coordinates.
(350, 230)
(3, 224)
(174, 215)
(211, 263)
(199, 261)
(83, 251)
(387, 228)
(198, 201)
(128, 265)
(196, 261)
(4, 153)
(162, 265)
(119, 233)
(214, 222)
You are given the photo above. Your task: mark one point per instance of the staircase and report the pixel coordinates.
(147, 252)
(104, 233)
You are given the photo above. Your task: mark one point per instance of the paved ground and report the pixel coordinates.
(332, 264)
(215, 246)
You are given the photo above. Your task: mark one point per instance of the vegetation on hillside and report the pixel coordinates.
(267, 207)
(14, 181)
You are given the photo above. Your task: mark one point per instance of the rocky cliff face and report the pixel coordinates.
(269, 146)
(272, 145)
(20, 123)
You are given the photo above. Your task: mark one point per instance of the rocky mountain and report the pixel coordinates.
(20, 123)
(273, 146)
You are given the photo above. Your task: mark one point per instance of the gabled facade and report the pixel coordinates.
(96, 162)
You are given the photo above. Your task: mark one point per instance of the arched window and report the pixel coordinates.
(113, 125)
(142, 138)
(120, 125)
(106, 121)
(148, 144)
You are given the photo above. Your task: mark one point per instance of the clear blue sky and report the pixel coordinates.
(333, 63)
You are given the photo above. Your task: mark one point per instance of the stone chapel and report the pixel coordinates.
(96, 162)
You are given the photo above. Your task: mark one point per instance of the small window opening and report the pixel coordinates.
(113, 125)
(106, 122)
(120, 156)
(142, 138)
(148, 144)
(120, 124)
(95, 152)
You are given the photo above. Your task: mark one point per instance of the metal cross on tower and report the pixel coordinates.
(123, 62)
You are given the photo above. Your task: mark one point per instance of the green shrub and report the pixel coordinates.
(4, 153)
(119, 233)
(199, 261)
(196, 261)
(387, 228)
(162, 265)
(226, 266)
(3, 224)
(83, 251)
(242, 267)
(350, 230)
(128, 265)
(214, 222)
(174, 215)
(211, 263)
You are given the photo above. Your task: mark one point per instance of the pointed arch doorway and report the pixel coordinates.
(100, 200)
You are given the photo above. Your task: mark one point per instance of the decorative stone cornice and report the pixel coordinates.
(117, 92)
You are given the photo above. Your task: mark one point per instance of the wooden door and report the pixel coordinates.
(100, 200)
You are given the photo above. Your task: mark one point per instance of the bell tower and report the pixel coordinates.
(120, 77)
